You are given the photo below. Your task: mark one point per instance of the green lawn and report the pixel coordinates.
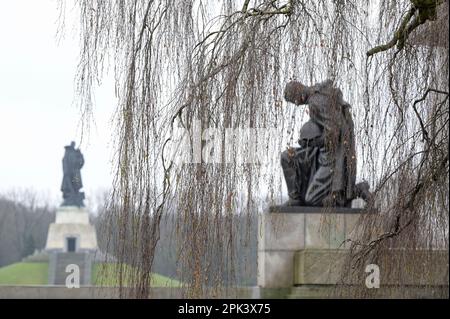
(24, 274)
(107, 275)
(36, 273)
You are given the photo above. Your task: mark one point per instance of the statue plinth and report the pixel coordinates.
(288, 236)
(71, 228)
(71, 239)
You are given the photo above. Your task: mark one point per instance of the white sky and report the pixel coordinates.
(38, 115)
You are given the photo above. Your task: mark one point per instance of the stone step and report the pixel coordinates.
(62, 260)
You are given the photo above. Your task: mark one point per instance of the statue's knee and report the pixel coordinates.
(309, 198)
(315, 194)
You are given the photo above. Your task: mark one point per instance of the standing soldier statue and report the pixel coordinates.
(72, 162)
(322, 171)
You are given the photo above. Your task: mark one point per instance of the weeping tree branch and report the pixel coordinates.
(284, 9)
(252, 12)
(422, 125)
(407, 207)
(420, 12)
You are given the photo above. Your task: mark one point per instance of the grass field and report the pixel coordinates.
(24, 274)
(107, 275)
(36, 273)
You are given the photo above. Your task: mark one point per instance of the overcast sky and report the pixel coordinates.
(37, 113)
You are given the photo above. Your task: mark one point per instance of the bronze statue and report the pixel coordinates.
(322, 171)
(72, 162)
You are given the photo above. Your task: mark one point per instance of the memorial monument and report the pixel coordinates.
(302, 242)
(71, 238)
(322, 170)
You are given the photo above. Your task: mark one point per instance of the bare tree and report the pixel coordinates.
(178, 61)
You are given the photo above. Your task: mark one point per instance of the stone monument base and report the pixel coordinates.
(58, 271)
(302, 251)
(71, 231)
(71, 240)
(286, 230)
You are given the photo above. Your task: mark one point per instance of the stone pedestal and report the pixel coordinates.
(302, 251)
(58, 263)
(71, 228)
(71, 240)
(288, 235)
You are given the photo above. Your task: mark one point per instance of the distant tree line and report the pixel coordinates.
(23, 226)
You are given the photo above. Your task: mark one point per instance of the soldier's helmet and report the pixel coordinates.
(310, 130)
